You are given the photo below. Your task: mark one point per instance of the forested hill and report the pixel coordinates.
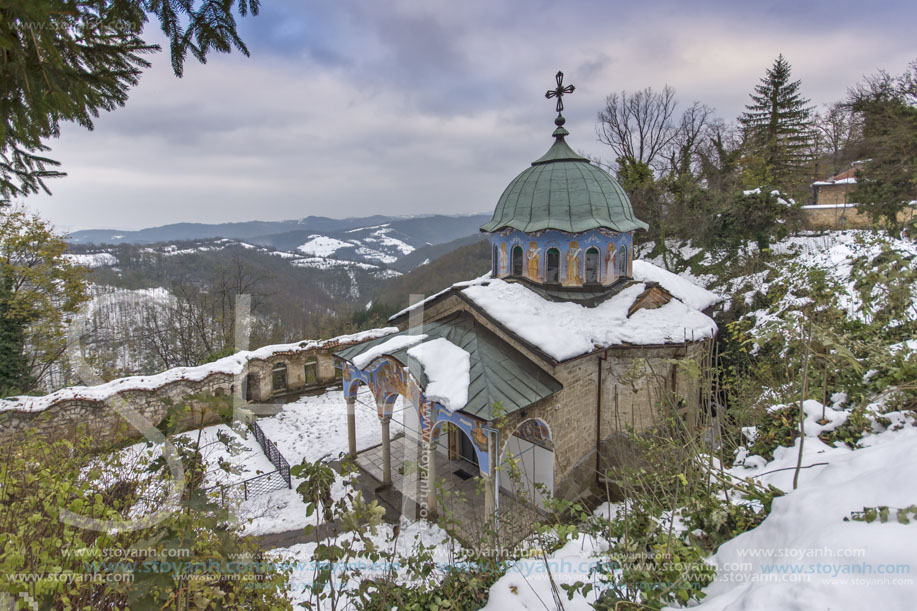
(283, 235)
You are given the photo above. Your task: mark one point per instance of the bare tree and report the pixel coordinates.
(641, 126)
(638, 125)
(682, 152)
(838, 127)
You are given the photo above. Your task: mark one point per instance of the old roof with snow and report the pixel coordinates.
(496, 372)
(475, 368)
(561, 330)
(847, 177)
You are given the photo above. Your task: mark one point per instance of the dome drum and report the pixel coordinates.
(594, 258)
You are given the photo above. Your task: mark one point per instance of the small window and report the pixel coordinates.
(495, 266)
(622, 261)
(592, 266)
(311, 371)
(339, 372)
(552, 266)
(279, 377)
(517, 260)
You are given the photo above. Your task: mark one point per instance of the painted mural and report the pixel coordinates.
(572, 248)
(535, 431)
(387, 378)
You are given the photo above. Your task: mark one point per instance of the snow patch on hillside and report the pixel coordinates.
(97, 259)
(321, 246)
(326, 263)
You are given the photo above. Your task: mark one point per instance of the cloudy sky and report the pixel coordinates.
(357, 107)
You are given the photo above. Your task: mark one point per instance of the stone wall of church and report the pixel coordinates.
(633, 380)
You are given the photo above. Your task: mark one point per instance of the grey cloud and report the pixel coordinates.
(410, 106)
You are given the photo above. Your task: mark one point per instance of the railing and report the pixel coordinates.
(272, 453)
(265, 482)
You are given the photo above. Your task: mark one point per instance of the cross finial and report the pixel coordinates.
(559, 93)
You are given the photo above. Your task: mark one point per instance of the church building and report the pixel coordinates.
(565, 344)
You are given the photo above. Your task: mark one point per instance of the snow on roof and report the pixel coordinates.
(828, 183)
(692, 295)
(826, 206)
(448, 371)
(479, 280)
(233, 364)
(399, 342)
(564, 330)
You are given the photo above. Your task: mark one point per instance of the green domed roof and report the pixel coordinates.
(565, 191)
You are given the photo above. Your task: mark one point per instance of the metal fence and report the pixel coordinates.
(272, 453)
(265, 482)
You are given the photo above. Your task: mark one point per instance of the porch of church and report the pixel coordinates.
(459, 490)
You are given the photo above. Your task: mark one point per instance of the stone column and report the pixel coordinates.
(431, 475)
(386, 452)
(352, 426)
(488, 498)
(489, 506)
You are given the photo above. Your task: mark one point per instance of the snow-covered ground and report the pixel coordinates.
(809, 553)
(311, 428)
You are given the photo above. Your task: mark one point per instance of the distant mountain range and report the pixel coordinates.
(313, 277)
(383, 246)
(415, 231)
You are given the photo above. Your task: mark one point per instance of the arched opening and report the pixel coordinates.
(592, 265)
(552, 266)
(517, 260)
(495, 263)
(622, 261)
(279, 377)
(527, 463)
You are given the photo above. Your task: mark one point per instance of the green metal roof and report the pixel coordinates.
(499, 372)
(564, 191)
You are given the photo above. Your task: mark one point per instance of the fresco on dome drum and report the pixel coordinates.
(594, 257)
(387, 378)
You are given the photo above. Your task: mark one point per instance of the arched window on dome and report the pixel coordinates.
(517, 260)
(552, 267)
(592, 265)
(622, 261)
(495, 265)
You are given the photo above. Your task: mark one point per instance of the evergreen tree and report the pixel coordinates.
(68, 60)
(777, 128)
(887, 181)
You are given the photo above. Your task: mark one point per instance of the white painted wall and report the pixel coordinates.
(406, 415)
(535, 464)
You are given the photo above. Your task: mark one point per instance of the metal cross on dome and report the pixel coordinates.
(559, 92)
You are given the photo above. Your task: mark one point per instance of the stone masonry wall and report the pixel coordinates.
(69, 417)
(846, 217)
(633, 374)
